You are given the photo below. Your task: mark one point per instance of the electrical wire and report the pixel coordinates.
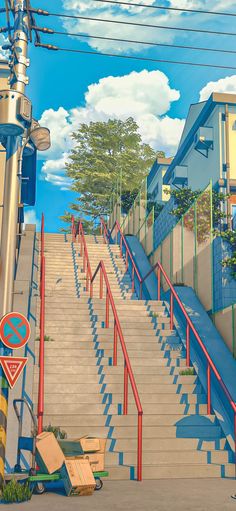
(165, 45)
(162, 8)
(148, 59)
(136, 24)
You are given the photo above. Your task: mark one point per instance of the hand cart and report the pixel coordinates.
(37, 479)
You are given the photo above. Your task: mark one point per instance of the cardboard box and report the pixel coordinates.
(78, 477)
(49, 455)
(96, 460)
(90, 444)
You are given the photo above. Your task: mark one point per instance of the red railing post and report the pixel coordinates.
(81, 246)
(140, 446)
(87, 277)
(187, 345)
(159, 284)
(171, 311)
(42, 236)
(107, 309)
(115, 345)
(125, 405)
(91, 289)
(208, 389)
(101, 284)
(41, 348)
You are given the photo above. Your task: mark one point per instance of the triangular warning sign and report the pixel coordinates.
(12, 367)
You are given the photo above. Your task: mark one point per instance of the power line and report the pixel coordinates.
(136, 24)
(166, 45)
(162, 7)
(132, 57)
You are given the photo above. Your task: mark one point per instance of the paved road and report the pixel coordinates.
(166, 495)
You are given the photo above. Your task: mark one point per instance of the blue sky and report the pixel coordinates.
(67, 88)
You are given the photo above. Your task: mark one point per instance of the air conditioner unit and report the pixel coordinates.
(203, 140)
(180, 175)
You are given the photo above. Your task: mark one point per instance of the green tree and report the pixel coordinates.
(106, 153)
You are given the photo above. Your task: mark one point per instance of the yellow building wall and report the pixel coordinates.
(232, 145)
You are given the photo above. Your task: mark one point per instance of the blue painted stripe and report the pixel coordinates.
(108, 420)
(110, 432)
(103, 388)
(132, 473)
(112, 446)
(121, 458)
(101, 379)
(106, 409)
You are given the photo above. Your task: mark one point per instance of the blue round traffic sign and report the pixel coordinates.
(14, 330)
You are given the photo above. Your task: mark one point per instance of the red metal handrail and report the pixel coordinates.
(79, 231)
(128, 373)
(42, 333)
(117, 228)
(189, 326)
(104, 231)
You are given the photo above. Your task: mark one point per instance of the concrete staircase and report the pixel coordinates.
(84, 392)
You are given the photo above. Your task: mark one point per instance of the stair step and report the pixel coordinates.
(169, 444)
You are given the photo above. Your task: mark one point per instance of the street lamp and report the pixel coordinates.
(41, 138)
(37, 138)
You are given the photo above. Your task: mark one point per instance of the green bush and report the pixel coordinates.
(15, 492)
(47, 338)
(190, 371)
(59, 433)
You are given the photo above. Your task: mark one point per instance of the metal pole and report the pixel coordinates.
(18, 81)
(115, 345)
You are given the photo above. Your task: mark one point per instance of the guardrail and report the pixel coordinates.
(128, 255)
(128, 373)
(42, 333)
(118, 334)
(78, 233)
(211, 368)
(104, 231)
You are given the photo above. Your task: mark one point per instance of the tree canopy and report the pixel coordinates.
(106, 153)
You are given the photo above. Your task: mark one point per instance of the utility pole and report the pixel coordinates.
(15, 119)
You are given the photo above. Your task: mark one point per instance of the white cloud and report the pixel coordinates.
(4, 54)
(227, 85)
(30, 218)
(146, 96)
(144, 15)
(54, 172)
(136, 93)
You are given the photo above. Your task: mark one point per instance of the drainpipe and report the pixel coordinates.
(227, 157)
